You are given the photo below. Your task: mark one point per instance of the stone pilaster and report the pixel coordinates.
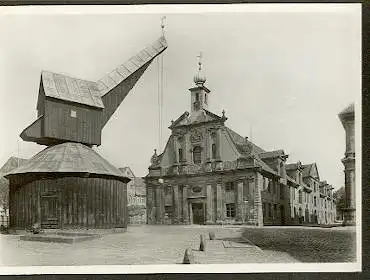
(149, 204)
(162, 200)
(185, 208)
(218, 142)
(240, 215)
(258, 214)
(175, 205)
(176, 150)
(158, 205)
(209, 211)
(220, 203)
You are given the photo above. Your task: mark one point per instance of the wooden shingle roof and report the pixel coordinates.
(67, 158)
(71, 89)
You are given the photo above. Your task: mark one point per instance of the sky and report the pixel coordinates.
(282, 75)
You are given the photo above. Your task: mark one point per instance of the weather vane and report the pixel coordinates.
(200, 60)
(162, 24)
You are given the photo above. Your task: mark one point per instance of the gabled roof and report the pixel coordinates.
(12, 163)
(67, 158)
(291, 166)
(243, 144)
(186, 119)
(272, 154)
(310, 170)
(71, 89)
(126, 171)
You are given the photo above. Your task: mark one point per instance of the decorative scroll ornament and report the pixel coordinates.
(196, 136)
(196, 189)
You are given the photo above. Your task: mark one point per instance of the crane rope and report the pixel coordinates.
(160, 69)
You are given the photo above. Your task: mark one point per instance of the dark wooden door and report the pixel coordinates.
(49, 211)
(198, 213)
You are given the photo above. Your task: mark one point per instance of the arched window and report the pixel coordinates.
(300, 196)
(197, 154)
(214, 152)
(205, 98)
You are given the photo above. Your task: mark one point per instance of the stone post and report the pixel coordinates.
(239, 202)
(175, 205)
(185, 209)
(209, 219)
(220, 202)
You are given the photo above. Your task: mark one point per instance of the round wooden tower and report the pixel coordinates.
(67, 186)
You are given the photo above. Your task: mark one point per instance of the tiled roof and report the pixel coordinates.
(272, 154)
(307, 169)
(242, 142)
(71, 89)
(291, 166)
(67, 158)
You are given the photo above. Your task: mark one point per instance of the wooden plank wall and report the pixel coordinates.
(58, 123)
(81, 202)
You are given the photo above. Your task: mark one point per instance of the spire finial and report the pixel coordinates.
(199, 79)
(162, 24)
(200, 61)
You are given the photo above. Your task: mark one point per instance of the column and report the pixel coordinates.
(175, 205)
(220, 206)
(239, 202)
(185, 209)
(209, 211)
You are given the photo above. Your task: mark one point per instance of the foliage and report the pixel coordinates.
(136, 210)
(339, 196)
(4, 192)
(4, 229)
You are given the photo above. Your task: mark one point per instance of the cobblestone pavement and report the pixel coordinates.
(139, 245)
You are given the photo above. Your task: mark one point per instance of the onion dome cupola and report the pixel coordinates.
(199, 93)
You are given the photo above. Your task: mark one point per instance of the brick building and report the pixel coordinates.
(209, 174)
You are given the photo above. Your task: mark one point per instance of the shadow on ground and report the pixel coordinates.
(306, 244)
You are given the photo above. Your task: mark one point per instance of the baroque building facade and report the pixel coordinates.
(209, 174)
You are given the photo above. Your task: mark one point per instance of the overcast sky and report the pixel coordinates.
(283, 74)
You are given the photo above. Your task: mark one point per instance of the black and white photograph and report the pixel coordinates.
(180, 138)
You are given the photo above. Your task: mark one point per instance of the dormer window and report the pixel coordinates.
(73, 114)
(197, 97)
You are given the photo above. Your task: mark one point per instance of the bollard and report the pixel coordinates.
(188, 256)
(212, 235)
(202, 246)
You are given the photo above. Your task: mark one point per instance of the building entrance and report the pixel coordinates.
(198, 210)
(49, 211)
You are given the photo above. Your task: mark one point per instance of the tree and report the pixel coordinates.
(339, 196)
